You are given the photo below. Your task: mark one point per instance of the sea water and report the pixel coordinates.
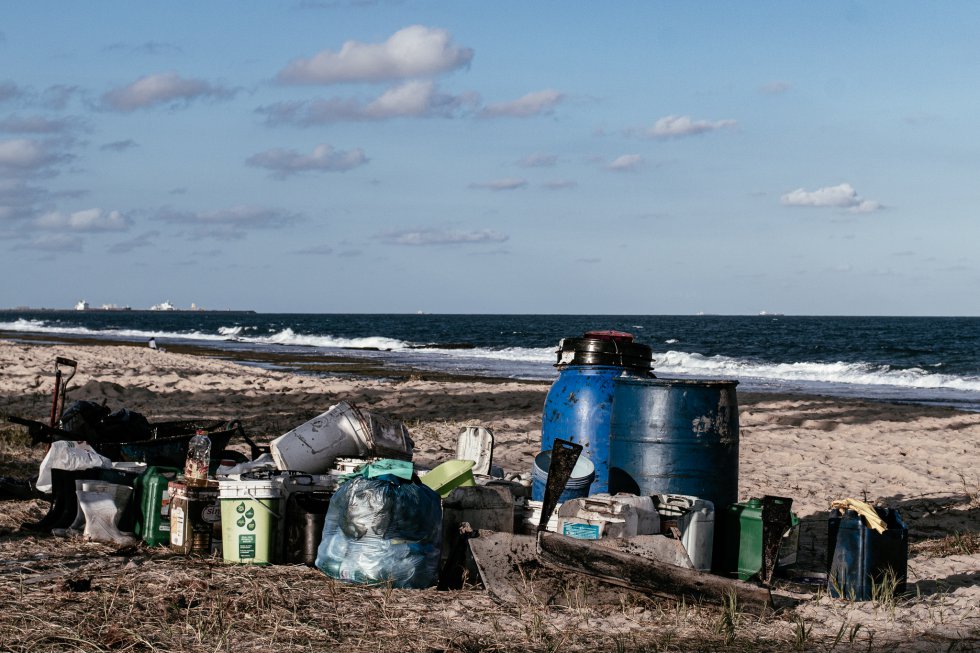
(931, 360)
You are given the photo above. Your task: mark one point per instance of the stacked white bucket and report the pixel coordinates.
(343, 431)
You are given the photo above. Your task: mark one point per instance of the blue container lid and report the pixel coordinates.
(583, 471)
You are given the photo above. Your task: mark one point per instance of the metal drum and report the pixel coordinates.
(675, 437)
(579, 402)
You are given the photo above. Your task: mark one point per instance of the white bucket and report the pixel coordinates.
(251, 512)
(314, 446)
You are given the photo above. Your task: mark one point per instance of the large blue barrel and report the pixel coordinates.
(673, 436)
(579, 403)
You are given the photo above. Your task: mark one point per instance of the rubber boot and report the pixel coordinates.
(64, 505)
(103, 511)
(77, 527)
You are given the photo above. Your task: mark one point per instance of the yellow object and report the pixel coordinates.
(450, 475)
(863, 509)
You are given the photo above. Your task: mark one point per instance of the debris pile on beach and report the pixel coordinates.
(425, 513)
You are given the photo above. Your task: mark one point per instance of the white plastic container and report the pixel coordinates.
(695, 519)
(647, 517)
(314, 446)
(595, 517)
(532, 517)
(476, 443)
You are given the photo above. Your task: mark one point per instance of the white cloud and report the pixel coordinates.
(89, 220)
(679, 126)
(316, 250)
(53, 243)
(119, 146)
(9, 91)
(625, 163)
(509, 183)
(413, 99)
(538, 161)
(442, 237)
(232, 222)
(415, 51)
(143, 240)
(775, 88)
(559, 184)
(26, 155)
(163, 88)
(842, 196)
(324, 158)
(38, 125)
(531, 104)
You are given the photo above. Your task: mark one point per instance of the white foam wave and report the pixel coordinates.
(671, 341)
(513, 354)
(677, 362)
(40, 326)
(289, 337)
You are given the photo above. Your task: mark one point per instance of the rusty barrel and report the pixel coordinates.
(670, 436)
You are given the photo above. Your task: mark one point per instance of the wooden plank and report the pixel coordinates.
(647, 575)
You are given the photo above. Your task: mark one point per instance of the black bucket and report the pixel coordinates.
(305, 514)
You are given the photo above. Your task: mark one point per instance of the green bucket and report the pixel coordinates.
(250, 516)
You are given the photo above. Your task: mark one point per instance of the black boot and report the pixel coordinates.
(64, 504)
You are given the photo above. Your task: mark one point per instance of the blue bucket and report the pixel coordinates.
(578, 484)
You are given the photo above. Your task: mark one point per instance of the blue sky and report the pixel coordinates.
(504, 157)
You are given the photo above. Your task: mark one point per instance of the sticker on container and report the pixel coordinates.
(246, 546)
(177, 531)
(582, 531)
(211, 513)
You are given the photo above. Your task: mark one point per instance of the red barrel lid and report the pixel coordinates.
(614, 336)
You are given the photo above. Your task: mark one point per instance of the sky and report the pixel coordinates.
(492, 157)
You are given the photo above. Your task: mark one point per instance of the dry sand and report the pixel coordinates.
(922, 460)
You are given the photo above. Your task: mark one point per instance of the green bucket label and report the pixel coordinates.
(241, 507)
(246, 546)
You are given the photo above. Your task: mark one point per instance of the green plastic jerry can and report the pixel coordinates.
(153, 522)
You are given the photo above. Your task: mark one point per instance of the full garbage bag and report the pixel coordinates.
(382, 529)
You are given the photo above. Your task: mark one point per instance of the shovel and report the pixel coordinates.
(564, 455)
(60, 387)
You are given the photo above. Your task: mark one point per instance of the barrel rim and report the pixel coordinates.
(660, 381)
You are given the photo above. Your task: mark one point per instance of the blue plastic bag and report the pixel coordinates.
(380, 530)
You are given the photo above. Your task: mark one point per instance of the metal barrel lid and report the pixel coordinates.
(614, 348)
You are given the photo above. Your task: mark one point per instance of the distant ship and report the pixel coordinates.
(768, 314)
(165, 306)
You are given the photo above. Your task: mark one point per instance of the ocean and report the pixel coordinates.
(928, 360)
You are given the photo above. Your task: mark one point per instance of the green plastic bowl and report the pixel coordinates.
(450, 475)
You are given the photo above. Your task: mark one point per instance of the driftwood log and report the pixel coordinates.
(647, 575)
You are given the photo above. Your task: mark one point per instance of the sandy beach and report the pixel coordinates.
(921, 460)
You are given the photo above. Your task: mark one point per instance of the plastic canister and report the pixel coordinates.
(741, 551)
(194, 512)
(862, 557)
(340, 432)
(532, 517)
(647, 517)
(673, 436)
(251, 511)
(592, 518)
(579, 403)
(153, 521)
(307, 499)
(582, 478)
(694, 518)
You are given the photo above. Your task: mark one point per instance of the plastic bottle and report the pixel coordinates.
(198, 459)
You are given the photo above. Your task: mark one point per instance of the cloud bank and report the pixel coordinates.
(324, 158)
(163, 88)
(415, 51)
(422, 237)
(842, 196)
(681, 126)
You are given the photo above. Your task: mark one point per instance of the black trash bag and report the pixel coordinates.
(82, 419)
(381, 530)
(124, 426)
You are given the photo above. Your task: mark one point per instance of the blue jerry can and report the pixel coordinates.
(859, 556)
